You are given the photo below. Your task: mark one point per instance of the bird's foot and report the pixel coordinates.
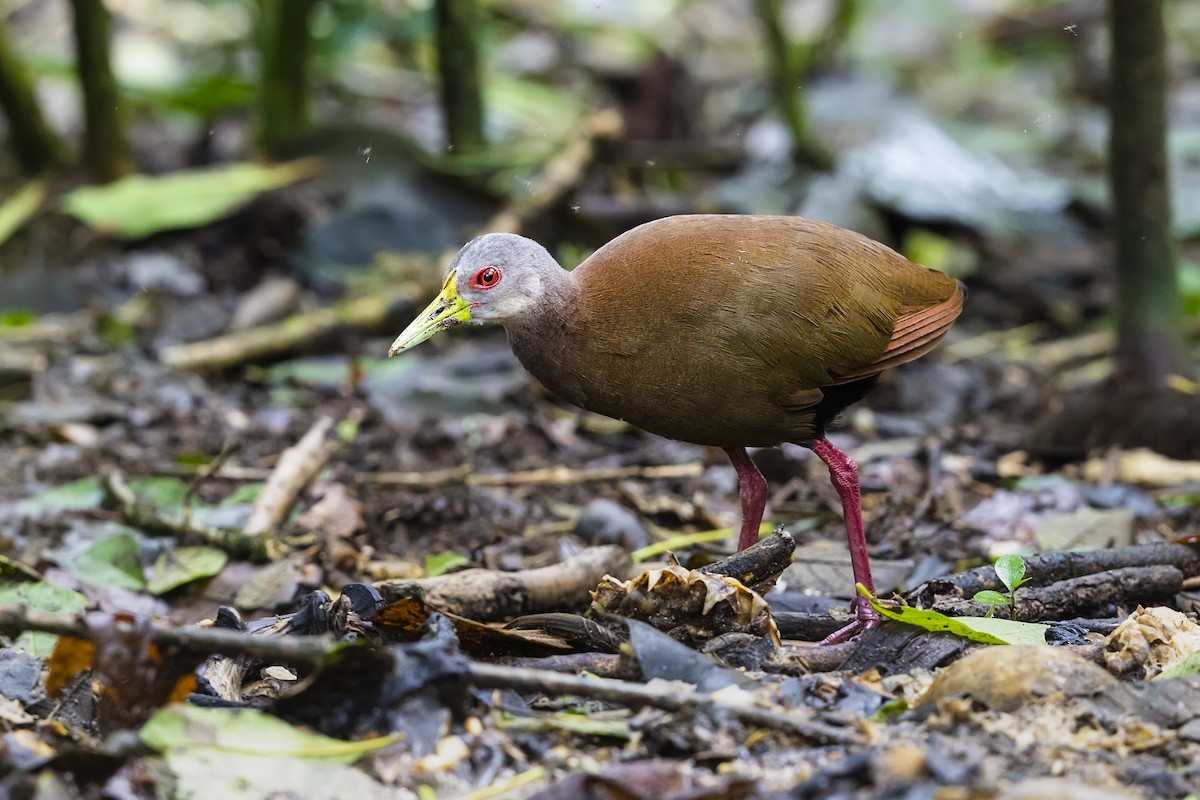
(867, 618)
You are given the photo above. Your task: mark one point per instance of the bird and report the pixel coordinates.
(732, 331)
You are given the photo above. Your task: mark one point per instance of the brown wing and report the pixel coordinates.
(917, 332)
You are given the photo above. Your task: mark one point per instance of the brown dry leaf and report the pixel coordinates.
(1007, 678)
(405, 618)
(1144, 467)
(337, 514)
(70, 657)
(678, 600)
(1151, 640)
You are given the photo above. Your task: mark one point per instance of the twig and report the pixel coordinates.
(298, 465)
(553, 476)
(239, 347)
(305, 651)
(208, 470)
(666, 695)
(454, 476)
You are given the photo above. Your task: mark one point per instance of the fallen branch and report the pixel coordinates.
(760, 565)
(1048, 568)
(298, 465)
(488, 596)
(1128, 586)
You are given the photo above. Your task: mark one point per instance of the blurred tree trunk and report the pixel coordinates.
(36, 146)
(105, 146)
(790, 64)
(1148, 309)
(285, 45)
(458, 31)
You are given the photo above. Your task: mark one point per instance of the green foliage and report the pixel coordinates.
(1010, 569)
(80, 495)
(985, 630)
(113, 561)
(20, 207)
(178, 566)
(441, 563)
(139, 205)
(16, 317)
(42, 596)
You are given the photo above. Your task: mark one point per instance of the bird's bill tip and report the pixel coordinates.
(446, 311)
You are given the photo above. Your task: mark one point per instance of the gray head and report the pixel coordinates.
(496, 277)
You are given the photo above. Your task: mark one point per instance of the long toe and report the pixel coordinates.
(867, 618)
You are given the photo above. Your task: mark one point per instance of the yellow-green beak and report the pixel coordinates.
(446, 311)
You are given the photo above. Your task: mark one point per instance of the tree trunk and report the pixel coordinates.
(458, 30)
(285, 44)
(1148, 307)
(105, 147)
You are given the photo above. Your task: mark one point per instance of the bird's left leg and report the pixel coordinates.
(752, 490)
(844, 474)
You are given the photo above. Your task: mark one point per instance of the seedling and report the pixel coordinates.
(1010, 569)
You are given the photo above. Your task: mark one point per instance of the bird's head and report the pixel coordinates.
(495, 278)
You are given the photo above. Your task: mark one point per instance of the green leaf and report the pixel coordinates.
(81, 495)
(1187, 666)
(162, 493)
(41, 596)
(441, 563)
(178, 566)
(242, 495)
(1010, 569)
(16, 318)
(990, 598)
(248, 732)
(138, 206)
(113, 561)
(20, 207)
(985, 630)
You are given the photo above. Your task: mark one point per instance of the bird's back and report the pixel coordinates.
(723, 330)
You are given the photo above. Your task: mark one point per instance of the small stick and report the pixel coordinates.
(230, 447)
(297, 466)
(551, 476)
(666, 695)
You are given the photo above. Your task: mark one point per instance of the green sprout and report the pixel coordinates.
(1010, 569)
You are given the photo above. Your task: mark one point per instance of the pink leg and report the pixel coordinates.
(752, 490)
(844, 474)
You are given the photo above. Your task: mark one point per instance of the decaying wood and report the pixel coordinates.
(1128, 586)
(489, 596)
(666, 695)
(760, 565)
(811, 626)
(297, 465)
(1047, 568)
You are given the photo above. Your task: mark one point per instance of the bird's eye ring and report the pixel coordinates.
(486, 277)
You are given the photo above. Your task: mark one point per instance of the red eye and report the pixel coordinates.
(486, 278)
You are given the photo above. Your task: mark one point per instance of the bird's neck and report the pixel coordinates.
(539, 337)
